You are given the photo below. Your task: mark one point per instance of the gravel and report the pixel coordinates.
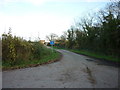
(72, 71)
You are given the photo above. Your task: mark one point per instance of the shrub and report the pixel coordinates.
(16, 50)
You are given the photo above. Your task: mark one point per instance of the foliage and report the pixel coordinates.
(16, 50)
(98, 33)
(46, 59)
(70, 38)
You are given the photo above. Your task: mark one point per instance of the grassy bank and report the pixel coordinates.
(94, 55)
(52, 57)
(19, 53)
(97, 55)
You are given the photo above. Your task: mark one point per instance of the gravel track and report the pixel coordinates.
(72, 71)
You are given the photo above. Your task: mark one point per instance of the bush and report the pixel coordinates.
(37, 49)
(16, 50)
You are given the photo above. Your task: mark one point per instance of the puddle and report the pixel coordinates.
(89, 59)
(104, 62)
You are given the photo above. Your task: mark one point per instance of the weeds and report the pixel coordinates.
(17, 52)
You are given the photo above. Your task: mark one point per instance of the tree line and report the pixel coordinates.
(98, 32)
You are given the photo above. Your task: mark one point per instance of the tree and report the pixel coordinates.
(110, 31)
(70, 37)
(101, 33)
(51, 37)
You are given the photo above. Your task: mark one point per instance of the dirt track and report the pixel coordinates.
(72, 71)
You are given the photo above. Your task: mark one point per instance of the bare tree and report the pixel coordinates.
(51, 37)
(64, 36)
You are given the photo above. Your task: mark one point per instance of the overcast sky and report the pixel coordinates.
(33, 18)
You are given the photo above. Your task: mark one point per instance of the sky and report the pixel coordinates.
(31, 19)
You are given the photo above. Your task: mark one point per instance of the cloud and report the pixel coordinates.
(29, 26)
(34, 2)
(97, 0)
(39, 2)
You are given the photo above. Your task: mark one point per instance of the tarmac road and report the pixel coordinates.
(72, 71)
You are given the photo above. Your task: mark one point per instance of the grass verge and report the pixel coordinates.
(54, 56)
(94, 55)
(97, 55)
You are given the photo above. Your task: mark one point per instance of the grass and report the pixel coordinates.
(55, 47)
(97, 55)
(54, 56)
(94, 54)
